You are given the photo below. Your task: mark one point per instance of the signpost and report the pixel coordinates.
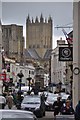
(3, 76)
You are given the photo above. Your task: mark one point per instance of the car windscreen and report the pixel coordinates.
(27, 100)
(16, 115)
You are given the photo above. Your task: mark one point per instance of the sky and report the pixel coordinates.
(61, 13)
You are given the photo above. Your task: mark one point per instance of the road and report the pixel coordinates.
(49, 115)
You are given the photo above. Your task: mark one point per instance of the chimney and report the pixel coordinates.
(60, 42)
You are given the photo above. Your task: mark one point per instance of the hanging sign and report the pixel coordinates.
(65, 53)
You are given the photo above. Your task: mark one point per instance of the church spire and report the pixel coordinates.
(41, 18)
(32, 20)
(28, 19)
(50, 19)
(36, 20)
(45, 20)
(0, 21)
(0, 25)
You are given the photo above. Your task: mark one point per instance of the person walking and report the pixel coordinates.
(77, 111)
(67, 109)
(57, 106)
(9, 100)
(42, 105)
(2, 102)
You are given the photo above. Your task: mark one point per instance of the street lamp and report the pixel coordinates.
(29, 79)
(60, 86)
(71, 77)
(20, 75)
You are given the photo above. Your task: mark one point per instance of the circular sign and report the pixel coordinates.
(76, 70)
(66, 52)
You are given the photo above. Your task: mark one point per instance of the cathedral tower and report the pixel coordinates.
(39, 35)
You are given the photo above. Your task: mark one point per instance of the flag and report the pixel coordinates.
(69, 39)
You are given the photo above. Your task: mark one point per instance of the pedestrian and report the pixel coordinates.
(57, 106)
(42, 105)
(2, 102)
(67, 109)
(77, 111)
(9, 100)
(14, 94)
(40, 112)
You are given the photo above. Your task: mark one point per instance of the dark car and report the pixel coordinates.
(16, 115)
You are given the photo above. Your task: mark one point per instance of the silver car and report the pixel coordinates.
(16, 115)
(30, 102)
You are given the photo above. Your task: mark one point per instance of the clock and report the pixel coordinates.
(76, 70)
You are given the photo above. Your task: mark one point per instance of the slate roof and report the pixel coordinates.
(47, 54)
(31, 53)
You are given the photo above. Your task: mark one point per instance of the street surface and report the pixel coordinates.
(48, 116)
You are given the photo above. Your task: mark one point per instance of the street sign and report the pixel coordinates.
(3, 76)
(65, 53)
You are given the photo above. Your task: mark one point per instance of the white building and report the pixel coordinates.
(15, 68)
(57, 67)
(28, 71)
(60, 71)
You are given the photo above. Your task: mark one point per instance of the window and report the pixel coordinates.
(38, 46)
(33, 46)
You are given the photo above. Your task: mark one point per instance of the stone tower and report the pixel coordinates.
(39, 35)
(13, 41)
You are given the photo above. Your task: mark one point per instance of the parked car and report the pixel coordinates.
(16, 115)
(50, 100)
(30, 102)
(65, 96)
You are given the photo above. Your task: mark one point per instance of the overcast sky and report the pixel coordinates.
(17, 12)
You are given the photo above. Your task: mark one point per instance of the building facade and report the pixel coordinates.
(13, 41)
(60, 70)
(39, 37)
(76, 52)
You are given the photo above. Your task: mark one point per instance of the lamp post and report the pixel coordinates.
(71, 77)
(20, 75)
(60, 86)
(29, 79)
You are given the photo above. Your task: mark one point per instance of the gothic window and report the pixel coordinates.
(33, 46)
(29, 46)
(38, 46)
(44, 46)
